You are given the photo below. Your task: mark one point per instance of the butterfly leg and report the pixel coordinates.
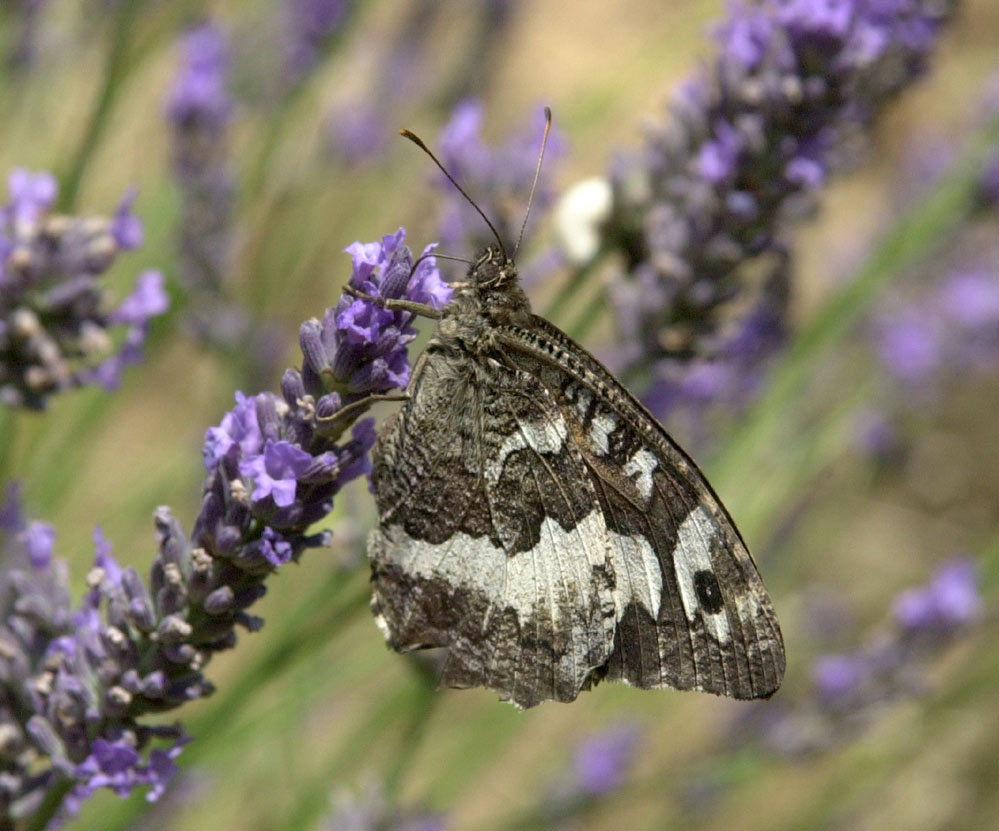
(394, 304)
(355, 408)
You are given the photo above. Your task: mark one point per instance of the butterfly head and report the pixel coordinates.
(492, 270)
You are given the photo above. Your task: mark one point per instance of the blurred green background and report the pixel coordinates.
(314, 705)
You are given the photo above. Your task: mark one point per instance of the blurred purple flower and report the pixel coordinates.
(31, 195)
(950, 599)
(602, 760)
(148, 299)
(837, 677)
(39, 539)
(851, 688)
(310, 25)
(368, 809)
(497, 178)
(971, 300)
(198, 97)
(909, 347)
(357, 131)
(199, 110)
(126, 227)
(702, 215)
(953, 327)
(55, 330)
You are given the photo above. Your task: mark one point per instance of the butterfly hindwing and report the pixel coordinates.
(691, 609)
(491, 539)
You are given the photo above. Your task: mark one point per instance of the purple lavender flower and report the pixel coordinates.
(909, 346)
(369, 809)
(275, 472)
(602, 760)
(850, 688)
(838, 677)
(599, 765)
(31, 196)
(55, 330)
(954, 328)
(310, 23)
(57, 679)
(199, 110)
(357, 131)
(498, 178)
(77, 683)
(126, 227)
(360, 348)
(198, 98)
(950, 600)
(709, 201)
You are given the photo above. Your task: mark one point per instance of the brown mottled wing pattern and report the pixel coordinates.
(692, 611)
(491, 540)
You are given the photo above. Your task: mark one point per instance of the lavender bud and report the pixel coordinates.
(328, 406)
(219, 601)
(173, 629)
(251, 623)
(154, 685)
(292, 387)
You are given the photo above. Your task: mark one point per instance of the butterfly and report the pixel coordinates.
(538, 522)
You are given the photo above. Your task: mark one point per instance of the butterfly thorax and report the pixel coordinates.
(490, 298)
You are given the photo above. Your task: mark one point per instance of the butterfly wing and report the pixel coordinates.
(692, 611)
(491, 540)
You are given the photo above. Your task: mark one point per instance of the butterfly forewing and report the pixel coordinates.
(691, 609)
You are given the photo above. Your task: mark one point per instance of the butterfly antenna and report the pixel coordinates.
(420, 143)
(537, 174)
(433, 255)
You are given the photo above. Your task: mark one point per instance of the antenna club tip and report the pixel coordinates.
(548, 113)
(409, 134)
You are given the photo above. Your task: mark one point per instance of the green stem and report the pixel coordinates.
(8, 432)
(421, 710)
(588, 317)
(577, 280)
(340, 598)
(102, 107)
(50, 806)
(281, 121)
(352, 751)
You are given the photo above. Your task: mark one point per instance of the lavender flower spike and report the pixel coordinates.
(701, 216)
(851, 688)
(199, 110)
(310, 25)
(55, 328)
(77, 683)
(600, 765)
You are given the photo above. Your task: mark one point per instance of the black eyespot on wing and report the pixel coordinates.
(708, 592)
